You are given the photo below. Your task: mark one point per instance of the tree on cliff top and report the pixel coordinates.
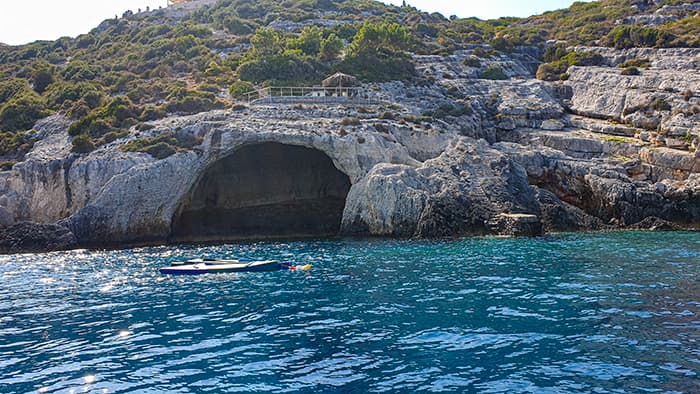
(378, 53)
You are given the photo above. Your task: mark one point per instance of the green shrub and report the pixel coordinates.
(83, 144)
(372, 38)
(15, 143)
(555, 70)
(382, 128)
(118, 113)
(493, 73)
(163, 145)
(471, 61)
(555, 52)
(623, 37)
(267, 42)
(7, 165)
(351, 122)
(12, 87)
(160, 151)
(77, 110)
(387, 115)
(145, 127)
(308, 41)
(150, 113)
(192, 105)
(379, 67)
(631, 71)
(190, 29)
(112, 136)
(377, 53)
(239, 89)
(42, 77)
(331, 47)
(84, 41)
(60, 92)
(282, 67)
(582, 58)
(659, 104)
(641, 63)
(79, 70)
(236, 25)
(480, 53)
(187, 101)
(449, 110)
(120, 109)
(22, 111)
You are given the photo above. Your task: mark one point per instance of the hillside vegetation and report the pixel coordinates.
(145, 66)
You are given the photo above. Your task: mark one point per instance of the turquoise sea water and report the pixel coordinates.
(571, 313)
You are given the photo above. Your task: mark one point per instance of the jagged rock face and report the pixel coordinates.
(605, 193)
(265, 190)
(454, 194)
(23, 237)
(663, 98)
(510, 161)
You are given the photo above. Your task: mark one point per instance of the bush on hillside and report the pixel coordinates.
(240, 88)
(556, 70)
(471, 61)
(42, 76)
(555, 52)
(630, 71)
(331, 47)
(641, 63)
(118, 113)
(163, 145)
(236, 25)
(15, 143)
(60, 92)
(22, 111)
(493, 73)
(79, 70)
(623, 37)
(308, 42)
(282, 67)
(11, 87)
(378, 53)
(82, 144)
(659, 104)
(186, 101)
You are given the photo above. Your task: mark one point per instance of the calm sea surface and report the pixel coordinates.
(571, 313)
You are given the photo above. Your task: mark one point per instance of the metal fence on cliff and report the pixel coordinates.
(316, 95)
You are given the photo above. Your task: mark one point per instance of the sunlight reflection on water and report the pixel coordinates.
(568, 313)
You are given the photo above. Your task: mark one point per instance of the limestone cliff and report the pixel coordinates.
(592, 152)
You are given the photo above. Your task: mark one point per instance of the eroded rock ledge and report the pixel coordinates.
(516, 157)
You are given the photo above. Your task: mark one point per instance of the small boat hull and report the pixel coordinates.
(200, 267)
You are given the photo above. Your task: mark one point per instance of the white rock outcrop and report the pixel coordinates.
(459, 156)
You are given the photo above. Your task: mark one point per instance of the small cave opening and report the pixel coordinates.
(265, 190)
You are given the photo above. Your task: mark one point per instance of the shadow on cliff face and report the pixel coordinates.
(267, 190)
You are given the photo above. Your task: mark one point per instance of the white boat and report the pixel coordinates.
(211, 266)
(199, 266)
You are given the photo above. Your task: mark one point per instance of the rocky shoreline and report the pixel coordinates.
(456, 156)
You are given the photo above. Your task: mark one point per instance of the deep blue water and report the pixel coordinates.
(574, 313)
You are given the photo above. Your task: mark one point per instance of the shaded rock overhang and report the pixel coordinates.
(264, 190)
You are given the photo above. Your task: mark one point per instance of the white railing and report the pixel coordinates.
(314, 95)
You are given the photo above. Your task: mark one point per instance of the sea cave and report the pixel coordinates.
(265, 190)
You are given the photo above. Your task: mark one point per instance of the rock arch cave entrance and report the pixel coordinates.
(266, 190)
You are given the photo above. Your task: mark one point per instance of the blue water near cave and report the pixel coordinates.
(569, 313)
